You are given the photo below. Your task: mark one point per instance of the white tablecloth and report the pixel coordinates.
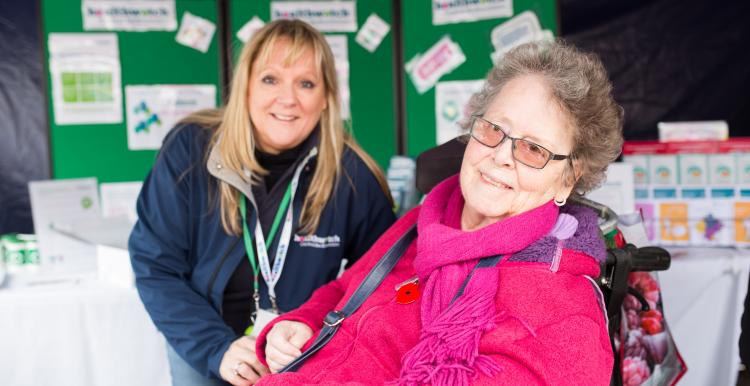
(703, 295)
(97, 334)
(79, 335)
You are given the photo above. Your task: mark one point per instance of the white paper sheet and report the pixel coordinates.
(118, 199)
(85, 72)
(452, 11)
(248, 30)
(326, 16)
(152, 110)
(340, 48)
(56, 207)
(450, 106)
(372, 32)
(426, 69)
(128, 15)
(195, 32)
(617, 192)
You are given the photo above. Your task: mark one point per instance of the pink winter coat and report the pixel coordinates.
(557, 334)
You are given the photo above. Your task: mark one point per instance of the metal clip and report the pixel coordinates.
(414, 280)
(334, 318)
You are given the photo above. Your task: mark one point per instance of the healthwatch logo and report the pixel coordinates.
(451, 4)
(306, 13)
(315, 241)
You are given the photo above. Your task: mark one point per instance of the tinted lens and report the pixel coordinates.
(530, 153)
(486, 133)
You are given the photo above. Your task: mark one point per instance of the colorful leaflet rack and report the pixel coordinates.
(693, 193)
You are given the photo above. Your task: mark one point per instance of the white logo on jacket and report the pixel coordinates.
(315, 241)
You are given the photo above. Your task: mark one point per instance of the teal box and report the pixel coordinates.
(693, 169)
(722, 169)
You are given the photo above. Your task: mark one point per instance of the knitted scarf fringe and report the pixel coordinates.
(448, 350)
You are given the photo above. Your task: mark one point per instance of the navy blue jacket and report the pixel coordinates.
(182, 258)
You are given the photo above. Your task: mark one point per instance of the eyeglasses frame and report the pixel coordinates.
(552, 157)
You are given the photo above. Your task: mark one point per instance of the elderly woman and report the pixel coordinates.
(545, 125)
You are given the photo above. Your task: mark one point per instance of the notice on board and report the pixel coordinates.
(85, 76)
(152, 110)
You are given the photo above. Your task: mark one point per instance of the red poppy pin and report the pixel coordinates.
(408, 291)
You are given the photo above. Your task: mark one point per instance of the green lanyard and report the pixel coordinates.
(249, 243)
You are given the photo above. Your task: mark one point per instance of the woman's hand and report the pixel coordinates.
(284, 341)
(240, 366)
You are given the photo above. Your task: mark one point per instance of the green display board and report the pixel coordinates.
(146, 58)
(371, 75)
(419, 34)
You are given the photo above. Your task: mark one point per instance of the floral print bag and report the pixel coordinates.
(648, 354)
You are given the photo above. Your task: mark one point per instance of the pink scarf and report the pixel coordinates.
(448, 349)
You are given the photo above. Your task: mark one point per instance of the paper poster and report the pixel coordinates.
(617, 192)
(129, 15)
(450, 106)
(673, 223)
(326, 16)
(457, 11)
(426, 69)
(340, 49)
(372, 32)
(57, 207)
(152, 110)
(195, 32)
(85, 72)
(523, 28)
(119, 198)
(248, 30)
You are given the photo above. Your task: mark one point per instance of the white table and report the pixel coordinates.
(703, 293)
(89, 333)
(93, 333)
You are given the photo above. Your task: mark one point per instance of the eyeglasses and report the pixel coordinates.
(525, 152)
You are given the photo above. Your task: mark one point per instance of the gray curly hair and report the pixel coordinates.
(581, 87)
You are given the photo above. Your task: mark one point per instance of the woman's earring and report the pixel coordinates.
(561, 203)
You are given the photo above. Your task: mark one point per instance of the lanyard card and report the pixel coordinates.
(261, 321)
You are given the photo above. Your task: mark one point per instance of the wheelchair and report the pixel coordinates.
(436, 164)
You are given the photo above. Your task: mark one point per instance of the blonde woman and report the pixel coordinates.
(251, 207)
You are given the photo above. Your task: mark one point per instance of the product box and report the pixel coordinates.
(722, 169)
(693, 169)
(663, 169)
(673, 222)
(742, 163)
(640, 168)
(19, 252)
(709, 219)
(723, 200)
(741, 216)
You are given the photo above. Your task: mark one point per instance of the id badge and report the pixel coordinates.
(262, 318)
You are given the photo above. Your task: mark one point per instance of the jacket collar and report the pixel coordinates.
(216, 167)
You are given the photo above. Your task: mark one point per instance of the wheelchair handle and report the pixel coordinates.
(608, 216)
(644, 259)
(650, 259)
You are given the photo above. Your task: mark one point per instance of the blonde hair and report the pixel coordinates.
(581, 87)
(234, 132)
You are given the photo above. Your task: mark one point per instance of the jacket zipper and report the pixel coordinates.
(216, 272)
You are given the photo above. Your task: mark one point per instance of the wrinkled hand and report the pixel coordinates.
(240, 366)
(284, 341)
